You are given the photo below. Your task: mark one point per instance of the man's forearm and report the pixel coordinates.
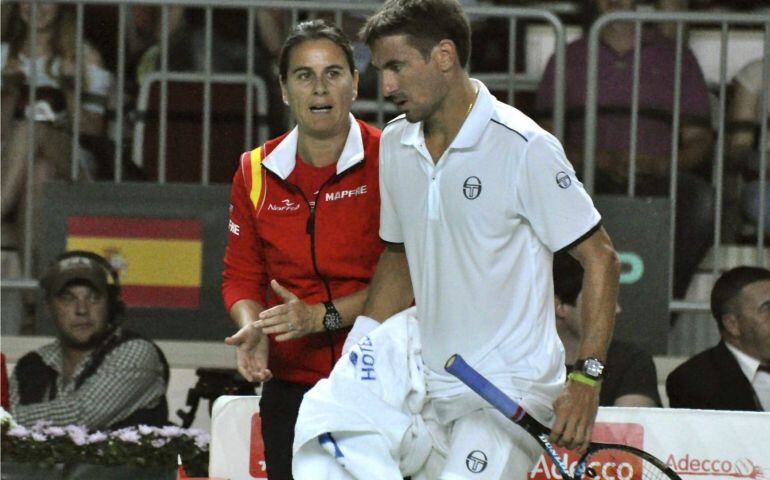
(391, 287)
(600, 293)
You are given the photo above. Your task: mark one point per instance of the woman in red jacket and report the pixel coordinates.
(303, 234)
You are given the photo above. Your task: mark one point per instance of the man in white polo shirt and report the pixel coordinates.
(475, 198)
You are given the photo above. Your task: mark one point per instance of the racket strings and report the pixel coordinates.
(618, 464)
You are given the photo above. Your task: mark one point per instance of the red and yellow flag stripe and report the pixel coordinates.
(159, 259)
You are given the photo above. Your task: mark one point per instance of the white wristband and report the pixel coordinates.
(362, 326)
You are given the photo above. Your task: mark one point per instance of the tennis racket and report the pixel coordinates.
(626, 462)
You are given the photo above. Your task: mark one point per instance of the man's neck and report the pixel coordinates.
(72, 358)
(441, 128)
(619, 36)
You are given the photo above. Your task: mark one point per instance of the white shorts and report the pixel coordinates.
(484, 445)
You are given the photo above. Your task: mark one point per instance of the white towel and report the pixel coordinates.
(370, 408)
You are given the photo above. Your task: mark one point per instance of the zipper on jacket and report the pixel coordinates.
(310, 229)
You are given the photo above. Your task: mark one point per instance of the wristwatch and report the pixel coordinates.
(591, 367)
(332, 318)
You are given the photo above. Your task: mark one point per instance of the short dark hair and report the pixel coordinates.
(728, 288)
(567, 277)
(424, 22)
(314, 30)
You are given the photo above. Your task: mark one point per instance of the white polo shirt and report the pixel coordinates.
(479, 228)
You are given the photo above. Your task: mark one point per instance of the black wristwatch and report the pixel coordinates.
(332, 318)
(591, 367)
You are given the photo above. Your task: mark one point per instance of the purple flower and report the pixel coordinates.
(76, 430)
(129, 436)
(171, 431)
(78, 438)
(159, 442)
(97, 437)
(146, 430)
(55, 431)
(39, 437)
(18, 432)
(202, 440)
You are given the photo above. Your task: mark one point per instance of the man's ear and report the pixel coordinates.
(731, 324)
(446, 54)
(284, 93)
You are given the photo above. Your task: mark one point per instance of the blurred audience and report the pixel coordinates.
(735, 374)
(96, 373)
(53, 67)
(630, 378)
(744, 146)
(695, 197)
(187, 46)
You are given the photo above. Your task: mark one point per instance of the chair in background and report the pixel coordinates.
(229, 134)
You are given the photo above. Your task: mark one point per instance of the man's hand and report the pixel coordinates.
(575, 410)
(252, 353)
(292, 319)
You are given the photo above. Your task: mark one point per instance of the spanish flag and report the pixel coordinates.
(159, 259)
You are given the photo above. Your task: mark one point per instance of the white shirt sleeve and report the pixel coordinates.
(549, 195)
(390, 227)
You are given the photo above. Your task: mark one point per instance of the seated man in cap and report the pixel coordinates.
(95, 374)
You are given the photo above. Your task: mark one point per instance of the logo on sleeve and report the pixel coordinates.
(476, 461)
(234, 228)
(472, 188)
(563, 180)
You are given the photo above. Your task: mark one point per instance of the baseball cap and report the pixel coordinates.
(76, 266)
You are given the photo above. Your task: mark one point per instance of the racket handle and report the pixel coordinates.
(457, 366)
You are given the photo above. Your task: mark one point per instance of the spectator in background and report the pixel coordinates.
(304, 216)
(54, 108)
(187, 45)
(735, 374)
(672, 6)
(630, 378)
(96, 373)
(744, 147)
(695, 197)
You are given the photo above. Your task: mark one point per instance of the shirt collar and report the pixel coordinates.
(747, 363)
(282, 159)
(472, 128)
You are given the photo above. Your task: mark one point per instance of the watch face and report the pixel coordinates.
(593, 367)
(332, 321)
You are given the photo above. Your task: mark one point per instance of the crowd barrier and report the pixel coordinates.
(697, 444)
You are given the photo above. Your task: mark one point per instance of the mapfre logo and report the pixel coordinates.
(285, 206)
(624, 468)
(716, 467)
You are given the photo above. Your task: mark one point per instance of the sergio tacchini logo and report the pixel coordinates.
(476, 461)
(472, 188)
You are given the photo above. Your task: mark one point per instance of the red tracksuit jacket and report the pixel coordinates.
(331, 249)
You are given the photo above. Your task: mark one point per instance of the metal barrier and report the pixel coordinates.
(257, 86)
(723, 21)
(508, 80)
